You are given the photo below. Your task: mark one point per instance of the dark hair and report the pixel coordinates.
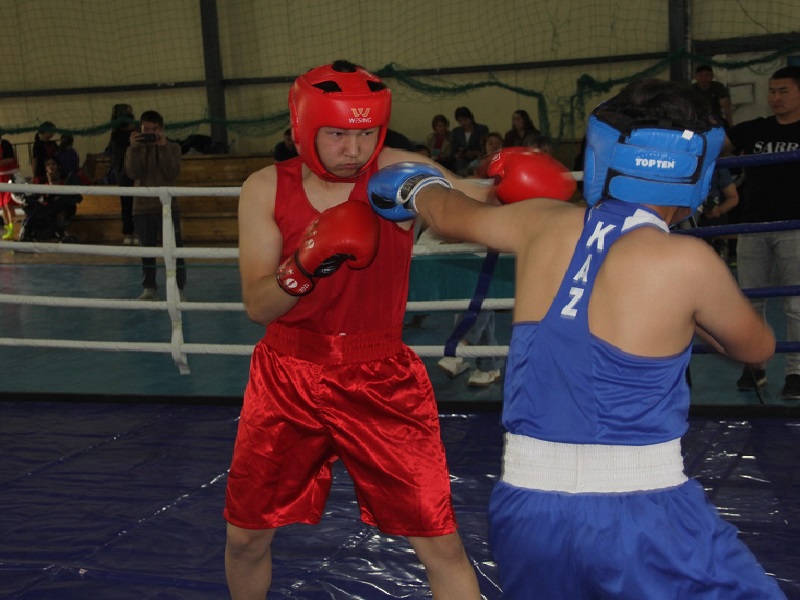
(526, 119)
(67, 140)
(485, 138)
(121, 111)
(790, 72)
(702, 68)
(439, 119)
(121, 117)
(462, 112)
(152, 116)
(46, 127)
(512, 138)
(665, 104)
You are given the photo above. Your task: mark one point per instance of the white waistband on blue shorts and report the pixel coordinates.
(590, 468)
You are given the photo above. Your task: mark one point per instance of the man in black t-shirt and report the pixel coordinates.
(770, 193)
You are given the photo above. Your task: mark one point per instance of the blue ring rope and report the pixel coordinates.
(755, 160)
(468, 319)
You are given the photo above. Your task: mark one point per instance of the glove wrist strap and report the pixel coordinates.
(416, 184)
(293, 278)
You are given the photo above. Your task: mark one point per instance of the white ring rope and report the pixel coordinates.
(177, 347)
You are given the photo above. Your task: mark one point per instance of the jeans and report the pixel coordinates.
(773, 259)
(482, 333)
(149, 228)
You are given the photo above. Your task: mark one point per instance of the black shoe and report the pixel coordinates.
(791, 387)
(754, 377)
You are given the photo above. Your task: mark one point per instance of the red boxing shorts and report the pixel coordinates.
(312, 399)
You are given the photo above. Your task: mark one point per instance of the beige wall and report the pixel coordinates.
(92, 43)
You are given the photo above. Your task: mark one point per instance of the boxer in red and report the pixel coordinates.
(332, 378)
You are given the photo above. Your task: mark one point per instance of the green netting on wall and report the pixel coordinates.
(70, 62)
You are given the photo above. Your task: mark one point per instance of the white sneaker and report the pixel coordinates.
(127, 240)
(480, 378)
(453, 365)
(148, 294)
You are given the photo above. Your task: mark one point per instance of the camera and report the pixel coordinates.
(148, 138)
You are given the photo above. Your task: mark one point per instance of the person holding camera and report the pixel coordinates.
(153, 161)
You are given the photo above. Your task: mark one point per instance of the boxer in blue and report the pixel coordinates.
(593, 501)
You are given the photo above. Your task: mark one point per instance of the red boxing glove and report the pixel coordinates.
(348, 232)
(522, 173)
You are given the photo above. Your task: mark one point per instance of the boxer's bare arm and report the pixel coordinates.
(507, 228)
(726, 316)
(260, 244)
(520, 175)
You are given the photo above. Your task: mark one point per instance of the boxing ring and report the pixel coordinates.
(118, 421)
(434, 281)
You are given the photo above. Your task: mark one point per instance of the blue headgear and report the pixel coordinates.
(649, 161)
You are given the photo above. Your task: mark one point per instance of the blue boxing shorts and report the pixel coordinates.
(313, 399)
(658, 544)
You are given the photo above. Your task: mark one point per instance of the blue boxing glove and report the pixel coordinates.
(392, 190)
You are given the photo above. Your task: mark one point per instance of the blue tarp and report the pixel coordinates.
(123, 501)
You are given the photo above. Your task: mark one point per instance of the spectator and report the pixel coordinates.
(43, 148)
(715, 93)
(284, 150)
(64, 206)
(123, 124)
(769, 193)
(439, 142)
(53, 173)
(466, 140)
(491, 142)
(67, 157)
(523, 132)
(152, 160)
(8, 168)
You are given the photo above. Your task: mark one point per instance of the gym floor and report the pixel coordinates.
(114, 464)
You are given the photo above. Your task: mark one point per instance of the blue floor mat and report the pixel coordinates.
(124, 501)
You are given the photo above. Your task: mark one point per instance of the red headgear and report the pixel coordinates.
(327, 97)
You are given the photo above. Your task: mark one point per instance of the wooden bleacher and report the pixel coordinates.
(205, 220)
